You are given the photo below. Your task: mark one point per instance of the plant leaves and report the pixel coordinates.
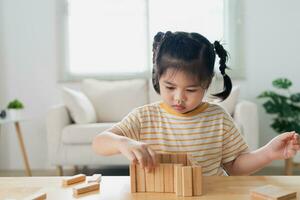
(284, 125)
(295, 98)
(271, 94)
(285, 108)
(282, 83)
(15, 104)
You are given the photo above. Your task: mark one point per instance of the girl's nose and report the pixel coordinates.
(179, 101)
(179, 98)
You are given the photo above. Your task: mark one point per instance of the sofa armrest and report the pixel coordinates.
(57, 118)
(246, 116)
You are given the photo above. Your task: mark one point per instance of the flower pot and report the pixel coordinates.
(14, 114)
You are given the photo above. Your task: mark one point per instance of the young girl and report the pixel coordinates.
(182, 122)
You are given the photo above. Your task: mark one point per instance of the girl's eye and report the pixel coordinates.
(191, 90)
(170, 88)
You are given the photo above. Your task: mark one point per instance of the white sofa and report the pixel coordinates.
(69, 143)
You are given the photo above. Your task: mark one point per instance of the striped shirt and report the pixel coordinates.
(207, 134)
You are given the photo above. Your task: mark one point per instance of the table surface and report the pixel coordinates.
(118, 187)
(10, 120)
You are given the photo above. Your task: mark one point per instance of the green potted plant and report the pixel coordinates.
(15, 109)
(284, 106)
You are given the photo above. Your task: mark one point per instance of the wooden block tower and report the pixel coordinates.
(173, 175)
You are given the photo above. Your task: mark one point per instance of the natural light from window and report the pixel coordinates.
(202, 16)
(114, 37)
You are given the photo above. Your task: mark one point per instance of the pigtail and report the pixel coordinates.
(155, 46)
(222, 53)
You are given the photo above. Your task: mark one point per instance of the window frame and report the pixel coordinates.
(232, 36)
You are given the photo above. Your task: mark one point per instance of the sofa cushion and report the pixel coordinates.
(113, 100)
(83, 133)
(79, 106)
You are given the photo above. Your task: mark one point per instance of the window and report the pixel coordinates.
(112, 39)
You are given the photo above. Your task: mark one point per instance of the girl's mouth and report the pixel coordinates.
(179, 107)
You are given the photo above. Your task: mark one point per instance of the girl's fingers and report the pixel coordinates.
(152, 158)
(296, 139)
(296, 147)
(291, 153)
(131, 157)
(286, 136)
(148, 159)
(140, 157)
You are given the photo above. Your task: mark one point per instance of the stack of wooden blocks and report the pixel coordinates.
(173, 175)
(93, 183)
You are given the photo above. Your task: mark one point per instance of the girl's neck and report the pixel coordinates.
(200, 108)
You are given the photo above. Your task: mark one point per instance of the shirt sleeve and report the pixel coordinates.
(233, 143)
(130, 125)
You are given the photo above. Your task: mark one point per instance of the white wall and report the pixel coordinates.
(29, 73)
(272, 46)
(2, 69)
(29, 65)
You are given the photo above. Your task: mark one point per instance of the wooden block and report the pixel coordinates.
(150, 181)
(74, 179)
(159, 179)
(187, 181)
(182, 159)
(158, 158)
(173, 158)
(188, 161)
(166, 158)
(94, 178)
(168, 177)
(140, 179)
(37, 196)
(178, 179)
(197, 180)
(272, 192)
(85, 188)
(132, 171)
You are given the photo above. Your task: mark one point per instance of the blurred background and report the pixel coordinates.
(48, 44)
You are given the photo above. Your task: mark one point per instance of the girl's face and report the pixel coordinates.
(180, 91)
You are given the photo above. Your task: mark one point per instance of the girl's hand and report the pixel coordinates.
(283, 146)
(138, 152)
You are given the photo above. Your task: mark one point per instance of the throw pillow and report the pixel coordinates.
(113, 100)
(79, 106)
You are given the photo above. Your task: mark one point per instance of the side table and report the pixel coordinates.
(21, 142)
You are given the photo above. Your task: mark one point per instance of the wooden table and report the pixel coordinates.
(118, 187)
(21, 141)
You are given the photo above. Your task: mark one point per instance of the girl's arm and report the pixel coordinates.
(248, 163)
(107, 142)
(283, 146)
(112, 142)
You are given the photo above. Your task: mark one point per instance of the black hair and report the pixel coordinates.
(191, 53)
